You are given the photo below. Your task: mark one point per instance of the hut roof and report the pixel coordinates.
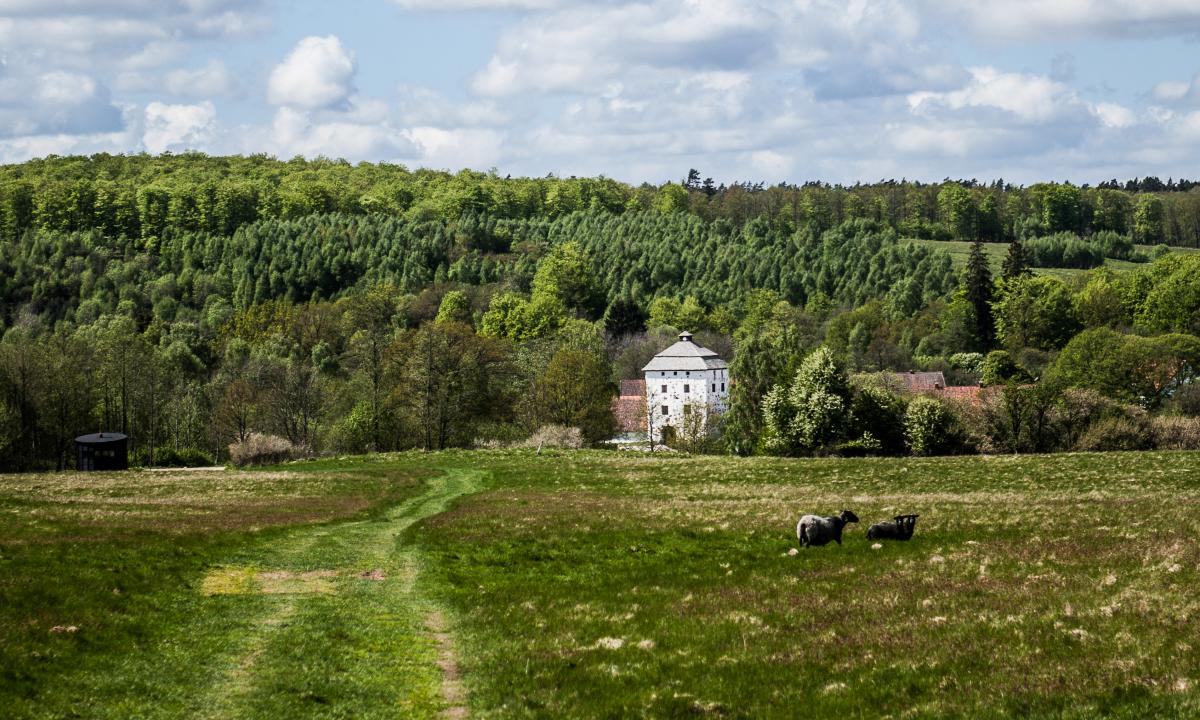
(685, 355)
(101, 438)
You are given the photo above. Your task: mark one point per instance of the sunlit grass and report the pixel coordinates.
(595, 585)
(599, 584)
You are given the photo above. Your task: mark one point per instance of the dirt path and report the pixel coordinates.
(340, 627)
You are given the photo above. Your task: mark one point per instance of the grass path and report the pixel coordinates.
(322, 621)
(362, 642)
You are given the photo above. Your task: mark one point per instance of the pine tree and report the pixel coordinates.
(979, 294)
(1016, 263)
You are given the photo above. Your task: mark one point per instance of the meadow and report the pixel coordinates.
(960, 251)
(596, 584)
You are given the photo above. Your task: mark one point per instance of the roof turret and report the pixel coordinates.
(685, 355)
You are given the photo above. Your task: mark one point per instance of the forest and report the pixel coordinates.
(199, 303)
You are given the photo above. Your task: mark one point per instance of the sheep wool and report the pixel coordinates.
(817, 530)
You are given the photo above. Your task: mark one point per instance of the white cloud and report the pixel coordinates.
(55, 102)
(296, 132)
(1114, 115)
(579, 47)
(1023, 19)
(178, 127)
(318, 73)
(458, 148)
(770, 165)
(424, 106)
(1171, 90)
(460, 5)
(1031, 98)
(207, 81)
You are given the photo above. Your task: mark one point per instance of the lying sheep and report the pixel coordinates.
(899, 528)
(817, 530)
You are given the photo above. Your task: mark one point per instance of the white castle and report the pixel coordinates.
(686, 385)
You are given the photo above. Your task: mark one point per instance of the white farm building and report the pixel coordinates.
(686, 386)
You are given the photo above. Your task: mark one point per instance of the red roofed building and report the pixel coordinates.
(918, 382)
(963, 393)
(629, 408)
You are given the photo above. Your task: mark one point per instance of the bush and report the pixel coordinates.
(260, 449)
(930, 428)
(864, 446)
(556, 436)
(1063, 250)
(878, 421)
(1114, 245)
(1076, 410)
(1171, 432)
(999, 368)
(1116, 433)
(172, 457)
(1187, 400)
(970, 361)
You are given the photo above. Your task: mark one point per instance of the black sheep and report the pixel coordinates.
(900, 528)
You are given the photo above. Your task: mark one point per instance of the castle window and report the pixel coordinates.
(664, 389)
(722, 387)
(714, 387)
(665, 410)
(687, 388)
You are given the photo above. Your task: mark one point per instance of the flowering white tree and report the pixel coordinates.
(813, 412)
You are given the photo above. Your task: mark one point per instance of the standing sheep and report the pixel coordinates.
(817, 530)
(899, 528)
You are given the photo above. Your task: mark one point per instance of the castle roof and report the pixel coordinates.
(685, 355)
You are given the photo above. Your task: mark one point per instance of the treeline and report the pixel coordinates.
(455, 365)
(311, 378)
(201, 278)
(198, 303)
(145, 197)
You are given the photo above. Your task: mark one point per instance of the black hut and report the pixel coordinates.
(102, 451)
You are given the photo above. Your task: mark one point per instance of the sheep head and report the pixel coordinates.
(849, 517)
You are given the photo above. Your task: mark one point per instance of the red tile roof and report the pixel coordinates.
(914, 382)
(965, 393)
(631, 388)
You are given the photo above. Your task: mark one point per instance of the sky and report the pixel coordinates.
(832, 90)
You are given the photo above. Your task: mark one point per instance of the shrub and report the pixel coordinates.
(999, 368)
(172, 457)
(556, 436)
(1116, 433)
(260, 449)
(1187, 399)
(969, 361)
(352, 433)
(809, 416)
(1063, 250)
(878, 419)
(1076, 410)
(930, 428)
(1114, 245)
(1171, 432)
(862, 447)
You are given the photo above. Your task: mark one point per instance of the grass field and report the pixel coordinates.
(596, 584)
(996, 252)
